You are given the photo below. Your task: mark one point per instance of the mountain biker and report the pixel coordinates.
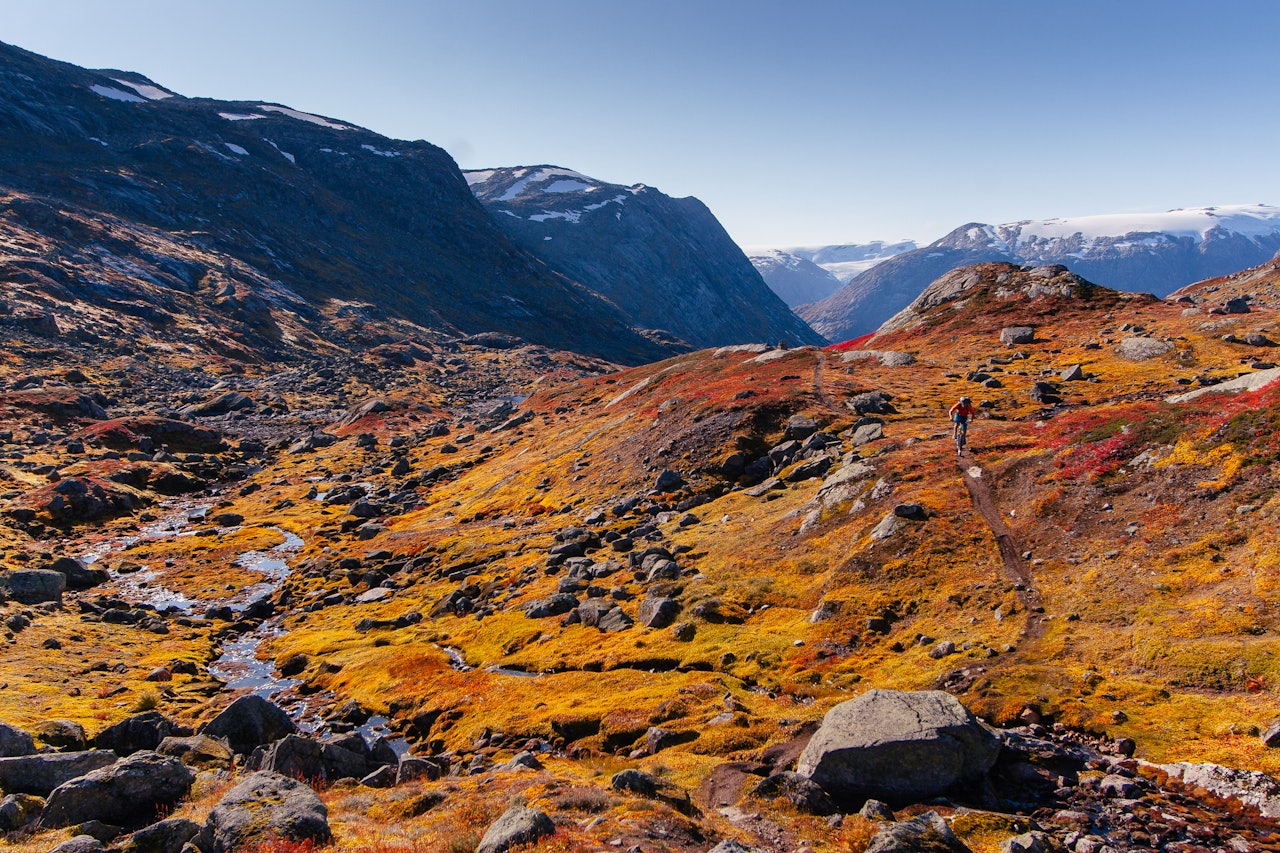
(960, 414)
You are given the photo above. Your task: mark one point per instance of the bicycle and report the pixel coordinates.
(961, 437)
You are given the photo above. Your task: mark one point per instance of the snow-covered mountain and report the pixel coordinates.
(1146, 252)
(666, 262)
(804, 274)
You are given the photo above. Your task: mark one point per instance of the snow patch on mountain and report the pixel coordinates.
(307, 117)
(118, 94)
(1251, 220)
(146, 90)
(240, 116)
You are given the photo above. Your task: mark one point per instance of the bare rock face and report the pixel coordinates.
(927, 833)
(1141, 349)
(125, 792)
(263, 807)
(14, 741)
(898, 747)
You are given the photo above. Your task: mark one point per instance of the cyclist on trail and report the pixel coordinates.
(960, 414)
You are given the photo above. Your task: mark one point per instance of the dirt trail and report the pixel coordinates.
(1018, 569)
(819, 388)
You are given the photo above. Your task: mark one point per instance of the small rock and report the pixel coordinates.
(517, 826)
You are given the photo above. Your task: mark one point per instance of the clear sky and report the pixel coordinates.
(796, 121)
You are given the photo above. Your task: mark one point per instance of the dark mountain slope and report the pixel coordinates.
(330, 211)
(667, 262)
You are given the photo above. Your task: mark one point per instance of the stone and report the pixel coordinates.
(1236, 305)
(78, 575)
(250, 722)
(33, 586)
(877, 810)
(1141, 349)
(519, 825)
(167, 836)
(1074, 373)
(730, 845)
(519, 762)
(131, 789)
(658, 611)
(872, 403)
(867, 433)
(263, 808)
(805, 794)
(1017, 335)
(18, 811)
(887, 526)
(1248, 786)
(40, 774)
(383, 777)
(1028, 842)
(615, 620)
(668, 481)
(342, 758)
(800, 427)
(1270, 736)
(14, 741)
(900, 747)
(411, 767)
(1044, 392)
(683, 632)
(78, 844)
(294, 756)
(63, 734)
(200, 752)
(133, 734)
(555, 605)
(652, 788)
(911, 512)
(657, 739)
(927, 833)
(809, 469)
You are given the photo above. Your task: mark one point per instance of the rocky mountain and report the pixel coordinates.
(805, 274)
(1156, 253)
(192, 205)
(666, 262)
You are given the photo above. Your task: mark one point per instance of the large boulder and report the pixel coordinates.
(927, 833)
(18, 811)
(518, 825)
(78, 575)
(40, 774)
(262, 808)
(898, 747)
(33, 586)
(167, 836)
(137, 733)
(250, 722)
(1141, 349)
(296, 757)
(14, 741)
(124, 793)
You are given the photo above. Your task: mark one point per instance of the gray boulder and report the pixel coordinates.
(927, 833)
(63, 734)
(136, 733)
(518, 825)
(898, 747)
(1141, 349)
(1016, 335)
(14, 741)
(32, 586)
(250, 722)
(668, 481)
(806, 795)
(78, 575)
(78, 844)
(652, 788)
(19, 810)
(615, 620)
(555, 605)
(296, 757)
(167, 836)
(658, 611)
(265, 806)
(40, 774)
(126, 792)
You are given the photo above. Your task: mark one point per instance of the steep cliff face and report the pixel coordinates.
(1155, 253)
(666, 262)
(328, 211)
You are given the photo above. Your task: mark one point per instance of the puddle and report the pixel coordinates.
(459, 664)
(376, 727)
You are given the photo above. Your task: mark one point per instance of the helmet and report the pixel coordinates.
(964, 399)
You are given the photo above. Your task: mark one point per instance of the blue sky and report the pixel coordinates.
(796, 122)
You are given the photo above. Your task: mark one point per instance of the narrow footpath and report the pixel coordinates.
(1018, 569)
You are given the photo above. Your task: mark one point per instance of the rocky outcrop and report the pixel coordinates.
(898, 747)
(927, 833)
